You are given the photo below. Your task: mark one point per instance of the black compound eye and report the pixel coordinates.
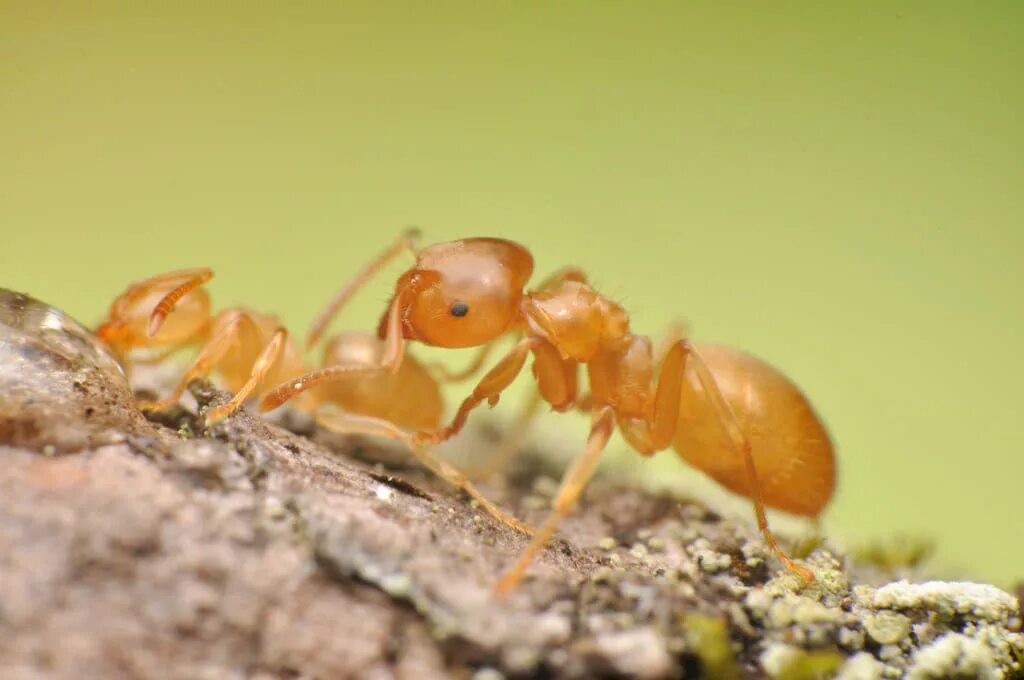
(460, 309)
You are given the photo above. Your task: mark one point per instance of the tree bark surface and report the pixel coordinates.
(132, 548)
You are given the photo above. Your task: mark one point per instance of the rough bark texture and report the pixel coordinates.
(131, 548)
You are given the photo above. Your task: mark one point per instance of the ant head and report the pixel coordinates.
(126, 327)
(464, 293)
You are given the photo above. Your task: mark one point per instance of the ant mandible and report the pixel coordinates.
(727, 413)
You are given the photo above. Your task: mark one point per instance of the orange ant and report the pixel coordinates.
(727, 413)
(171, 311)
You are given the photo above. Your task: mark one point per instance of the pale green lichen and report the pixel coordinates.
(887, 628)
(897, 553)
(786, 662)
(954, 655)
(964, 628)
(978, 600)
(861, 666)
(639, 652)
(795, 609)
(967, 629)
(709, 637)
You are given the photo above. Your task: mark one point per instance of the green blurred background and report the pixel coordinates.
(835, 186)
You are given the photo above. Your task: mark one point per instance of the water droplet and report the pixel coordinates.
(39, 342)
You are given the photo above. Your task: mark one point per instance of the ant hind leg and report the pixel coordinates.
(741, 444)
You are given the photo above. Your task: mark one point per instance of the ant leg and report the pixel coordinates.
(655, 432)
(573, 483)
(204, 362)
(350, 423)
(405, 243)
(141, 288)
(394, 349)
(741, 444)
(489, 388)
(264, 362)
(556, 381)
(166, 304)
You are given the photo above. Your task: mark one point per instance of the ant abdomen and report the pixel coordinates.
(791, 448)
(409, 398)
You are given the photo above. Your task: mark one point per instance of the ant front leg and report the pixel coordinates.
(489, 388)
(556, 381)
(575, 480)
(350, 423)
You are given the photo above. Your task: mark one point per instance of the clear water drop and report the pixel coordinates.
(44, 353)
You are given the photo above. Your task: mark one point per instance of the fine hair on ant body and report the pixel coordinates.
(726, 412)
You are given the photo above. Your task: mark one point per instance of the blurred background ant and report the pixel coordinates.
(169, 312)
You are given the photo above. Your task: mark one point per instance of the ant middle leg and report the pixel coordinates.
(575, 480)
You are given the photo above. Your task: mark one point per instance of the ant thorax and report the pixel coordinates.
(576, 319)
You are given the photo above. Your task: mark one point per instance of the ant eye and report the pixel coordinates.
(460, 309)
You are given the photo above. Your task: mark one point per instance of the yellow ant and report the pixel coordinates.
(726, 412)
(170, 311)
